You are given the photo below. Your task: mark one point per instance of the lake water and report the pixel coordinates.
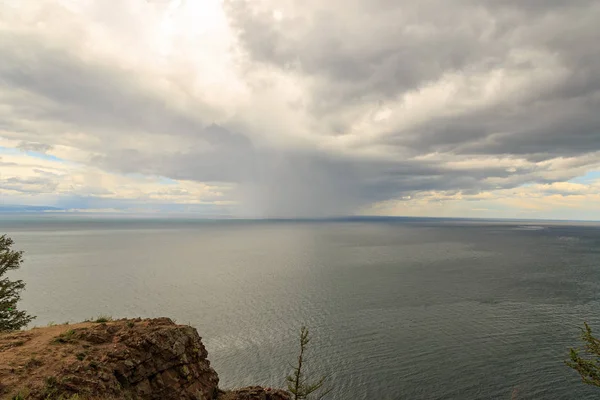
(399, 309)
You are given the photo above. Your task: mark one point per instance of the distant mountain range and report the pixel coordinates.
(26, 209)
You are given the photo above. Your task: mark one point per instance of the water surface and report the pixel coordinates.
(399, 309)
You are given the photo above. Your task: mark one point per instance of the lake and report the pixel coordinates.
(398, 308)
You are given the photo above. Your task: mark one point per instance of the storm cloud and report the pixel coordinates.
(305, 108)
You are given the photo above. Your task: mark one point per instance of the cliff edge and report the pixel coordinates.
(123, 359)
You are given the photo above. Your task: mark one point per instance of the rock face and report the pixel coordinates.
(124, 359)
(255, 393)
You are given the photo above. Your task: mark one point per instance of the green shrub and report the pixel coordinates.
(103, 319)
(10, 291)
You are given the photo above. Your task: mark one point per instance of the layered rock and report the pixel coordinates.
(255, 393)
(124, 359)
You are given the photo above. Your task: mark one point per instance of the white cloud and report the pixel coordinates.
(26, 175)
(560, 200)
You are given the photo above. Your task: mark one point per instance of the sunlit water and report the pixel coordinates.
(399, 309)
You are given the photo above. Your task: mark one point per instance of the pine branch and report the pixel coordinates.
(297, 383)
(10, 317)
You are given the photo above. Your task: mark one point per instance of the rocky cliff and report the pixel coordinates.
(124, 359)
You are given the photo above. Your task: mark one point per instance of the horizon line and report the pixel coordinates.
(53, 211)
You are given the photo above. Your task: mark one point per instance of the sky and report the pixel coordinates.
(280, 108)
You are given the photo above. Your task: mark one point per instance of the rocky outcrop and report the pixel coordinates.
(255, 393)
(124, 359)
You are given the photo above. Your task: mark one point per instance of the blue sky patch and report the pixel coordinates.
(587, 178)
(35, 154)
(167, 181)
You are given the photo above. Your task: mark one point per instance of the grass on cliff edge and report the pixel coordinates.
(100, 319)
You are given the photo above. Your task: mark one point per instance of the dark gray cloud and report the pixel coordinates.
(540, 130)
(397, 47)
